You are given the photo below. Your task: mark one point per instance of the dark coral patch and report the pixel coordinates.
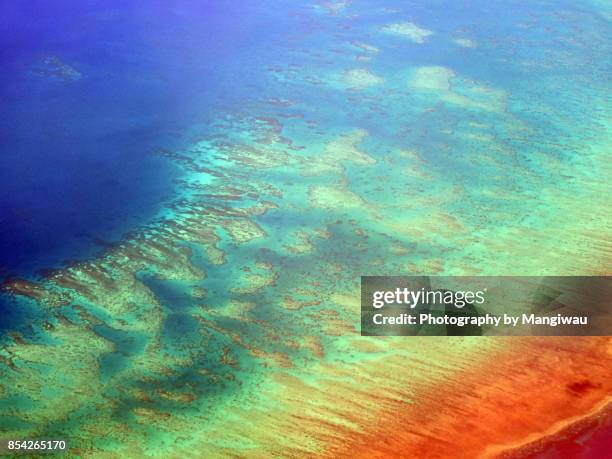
(579, 388)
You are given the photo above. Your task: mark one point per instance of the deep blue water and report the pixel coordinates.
(77, 168)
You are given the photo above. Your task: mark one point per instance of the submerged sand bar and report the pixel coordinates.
(408, 30)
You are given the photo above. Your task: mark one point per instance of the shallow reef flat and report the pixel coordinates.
(433, 78)
(408, 30)
(443, 83)
(229, 326)
(360, 78)
(466, 42)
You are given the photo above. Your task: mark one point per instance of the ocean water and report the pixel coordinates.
(78, 168)
(222, 173)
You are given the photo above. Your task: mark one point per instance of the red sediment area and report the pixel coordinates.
(538, 391)
(590, 437)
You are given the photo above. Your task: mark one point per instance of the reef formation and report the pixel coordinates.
(229, 326)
